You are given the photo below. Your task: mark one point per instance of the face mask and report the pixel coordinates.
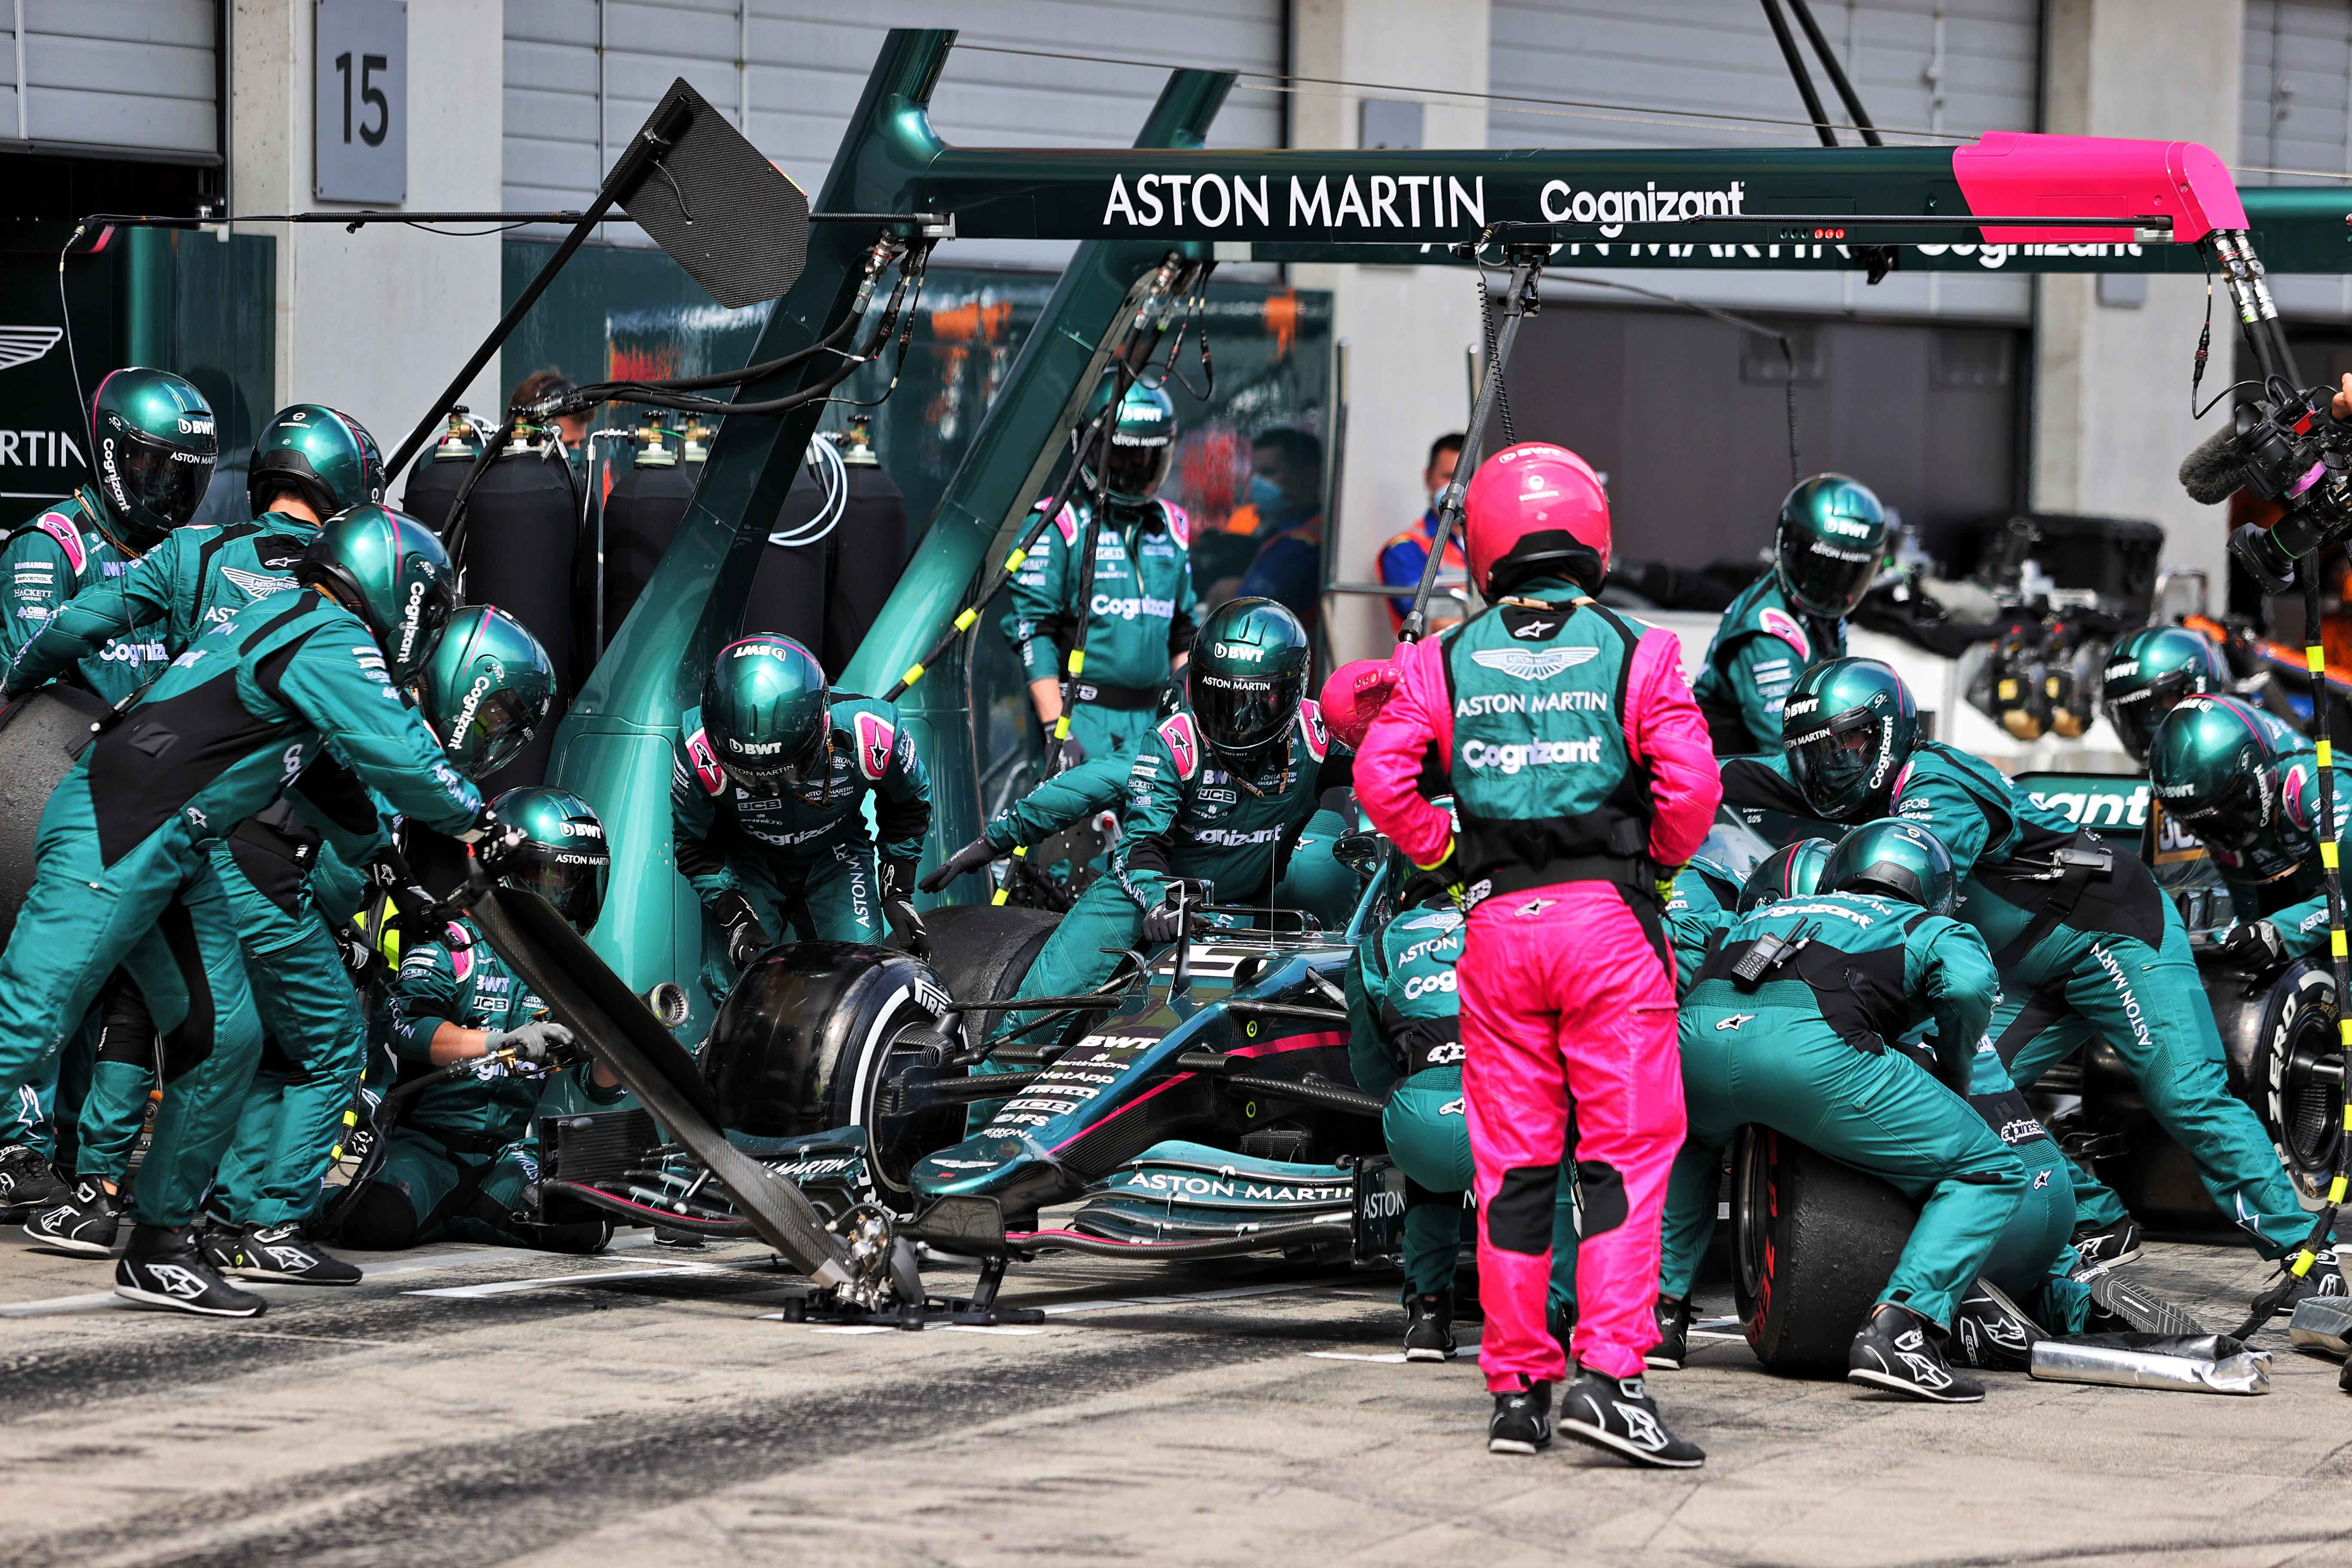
(1264, 495)
(1433, 495)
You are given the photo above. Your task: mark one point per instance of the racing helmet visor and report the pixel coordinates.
(2137, 715)
(1823, 577)
(570, 879)
(2237, 814)
(169, 482)
(1240, 713)
(502, 726)
(1137, 473)
(1832, 762)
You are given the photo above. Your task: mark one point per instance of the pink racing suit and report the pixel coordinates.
(1567, 985)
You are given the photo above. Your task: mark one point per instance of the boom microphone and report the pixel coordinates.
(2214, 472)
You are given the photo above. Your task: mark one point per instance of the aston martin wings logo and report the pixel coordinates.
(22, 345)
(256, 584)
(1530, 664)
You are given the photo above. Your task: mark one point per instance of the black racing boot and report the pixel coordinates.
(284, 1253)
(1522, 1420)
(27, 1182)
(2110, 1246)
(1899, 1350)
(1672, 1349)
(1991, 1333)
(163, 1269)
(2119, 1306)
(1618, 1414)
(2324, 1278)
(83, 1220)
(1428, 1327)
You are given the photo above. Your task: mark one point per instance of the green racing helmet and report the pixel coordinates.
(1828, 544)
(1847, 728)
(2212, 765)
(325, 458)
(1896, 859)
(1142, 441)
(766, 712)
(155, 448)
(1247, 672)
(2149, 670)
(563, 856)
(485, 690)
(388, 569)
(1792, 871)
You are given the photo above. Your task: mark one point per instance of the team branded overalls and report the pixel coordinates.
(1405, 1041)
(803, 858)
(464, 1151)
(1810, 1051)
(126, 875)
(47, 562)
(1138, 616)
(1761, 646)
(2082, 951)
(1567, 991)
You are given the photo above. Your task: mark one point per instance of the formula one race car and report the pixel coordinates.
(1197, 1105)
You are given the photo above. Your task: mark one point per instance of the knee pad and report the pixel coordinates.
(1601, 1190)
(1518, 1216)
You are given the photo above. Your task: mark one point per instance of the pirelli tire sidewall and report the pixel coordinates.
(2297, 1027)
(807, 1038)
(41, 737)
(1813, 1244)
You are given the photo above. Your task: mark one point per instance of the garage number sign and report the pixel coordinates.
(362, 123)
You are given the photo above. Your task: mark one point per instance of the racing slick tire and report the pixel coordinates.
(2296, 1073)
(984, 950)
(1812, 1241)
(818, 1035)
(41, 737)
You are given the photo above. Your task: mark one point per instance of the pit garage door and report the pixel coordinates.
(790, 71)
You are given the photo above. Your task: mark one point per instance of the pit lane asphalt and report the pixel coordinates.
(669, 1421)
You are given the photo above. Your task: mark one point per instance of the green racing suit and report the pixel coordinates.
(1760, 646)
(804, 859)
(125, 875)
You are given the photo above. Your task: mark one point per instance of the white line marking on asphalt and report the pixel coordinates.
(1396, 1357)
(555, 1281)
(1115, 1303)
(989, 1329)
(104, 1301)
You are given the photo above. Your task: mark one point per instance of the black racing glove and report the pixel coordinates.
(746, 938)
(898, 907)
(1064, 754)
(2256, 944)
(970, 857)
(361, 957)
(1163, 922)
(494, 842)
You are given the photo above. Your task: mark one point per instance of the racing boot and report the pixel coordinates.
(1522, 1420)
(1672, 1349)
(27, 1182)
(2324, 1278)
(162, 1268)
(1618, 1414)
(84, 1220)
(1428, 1327)
(284, 1253)
(1993, 1333)
(1899, 1350)
(2119, 1306)
(2109, 1245)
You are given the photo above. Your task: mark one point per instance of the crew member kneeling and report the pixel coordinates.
(1580, 770)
